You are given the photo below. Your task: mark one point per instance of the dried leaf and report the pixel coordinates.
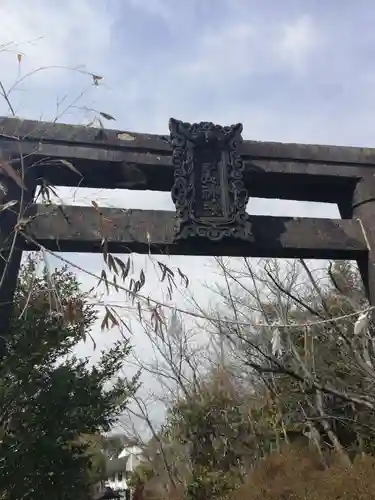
(127, 269)
(170, 272)
(171, 281)
(139, 311)
(120, 263)
(104, 325)
(277, 348)
(104, 245)
(71, 166)
(184, 278)
(126, 326)
(19, 58)
(112, 264)
(165, 271)
(106, 116)
(45, 191)
(93, 341)
(8, 205)
(163, 268)
(96, 79)
(103, 277)
(113, 319)
(362, 323)
(13, 174)
(157, 315)
(142, 279)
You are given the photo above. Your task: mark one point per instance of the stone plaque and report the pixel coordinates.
(208, 192)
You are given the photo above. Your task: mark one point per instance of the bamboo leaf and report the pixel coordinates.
(170, 272)
(70, 166)
(184, 278)
(115, 269)
(157, 315)
(104, 324)
(106, 116)
(120, 263)
(171, 281)
(139, 311)
(8, 205)
(103, 277)
(142, 278)
(127, 269)
(96, 79)
(104, 244)
(163, 269)
(112, 318)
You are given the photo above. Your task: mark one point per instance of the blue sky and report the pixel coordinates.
(291, 70)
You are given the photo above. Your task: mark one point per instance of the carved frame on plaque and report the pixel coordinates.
(208, 192)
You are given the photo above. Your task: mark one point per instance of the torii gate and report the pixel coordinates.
(210, 172)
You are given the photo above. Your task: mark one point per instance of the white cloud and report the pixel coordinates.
(157, 8)
(56, 37)
(249, 47)
(298, 40)
(225, 50)
(72, 33)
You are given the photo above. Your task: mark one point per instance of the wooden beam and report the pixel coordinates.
(363, 206)
(114, 169)
(18, 200)
(81, 229)
(36, 131)
(143, 161)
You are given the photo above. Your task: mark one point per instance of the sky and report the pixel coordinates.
(290, 71)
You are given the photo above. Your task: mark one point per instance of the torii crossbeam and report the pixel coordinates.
(210, 171)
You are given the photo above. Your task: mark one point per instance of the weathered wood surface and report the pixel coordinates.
(81, 229)
(113, 169)
(143, 161)
(363, 206)
(80, 135)
(10, 244)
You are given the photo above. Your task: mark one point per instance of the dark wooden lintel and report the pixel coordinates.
(363, 206)
(143, 162)
(10, 252)
(141, 231)
(115, 169)
(36, 131)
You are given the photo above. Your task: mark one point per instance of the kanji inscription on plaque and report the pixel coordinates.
(208, 192)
